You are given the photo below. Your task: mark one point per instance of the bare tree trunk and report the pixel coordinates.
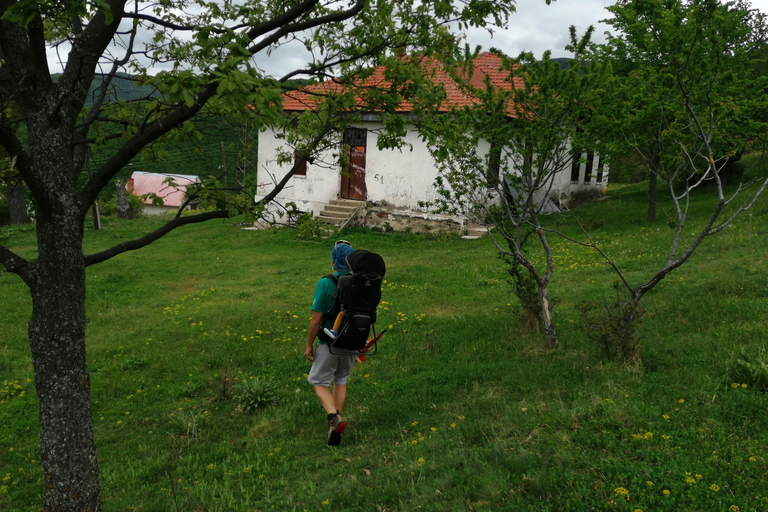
(123, 206)
(17, 202)
(546, 316)
(652, 196)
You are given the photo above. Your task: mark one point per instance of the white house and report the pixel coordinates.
(391, 179)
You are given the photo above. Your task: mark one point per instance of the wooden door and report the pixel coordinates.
(353, 179)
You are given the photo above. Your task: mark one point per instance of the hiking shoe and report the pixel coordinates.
(335, 428)
(330, 333)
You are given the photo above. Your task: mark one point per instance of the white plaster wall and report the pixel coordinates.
(310, 192)
(400, 177)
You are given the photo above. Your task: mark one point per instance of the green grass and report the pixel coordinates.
(462, 409)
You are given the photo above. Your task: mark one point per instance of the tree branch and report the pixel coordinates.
(147, 239)
(286, 28)
(15, 264)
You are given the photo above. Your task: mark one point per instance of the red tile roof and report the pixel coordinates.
(485, 64)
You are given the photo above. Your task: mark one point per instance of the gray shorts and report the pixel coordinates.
(328, 367)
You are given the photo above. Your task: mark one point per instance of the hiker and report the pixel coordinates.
(329, 368)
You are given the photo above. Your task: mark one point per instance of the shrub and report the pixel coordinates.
(312, 228)
(613, 326)
(255, 393)
(751, 367)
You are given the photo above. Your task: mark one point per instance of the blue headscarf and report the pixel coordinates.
(339, 257)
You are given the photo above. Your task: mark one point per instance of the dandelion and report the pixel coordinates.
(649, 482)
(433, 429)
(744, 386)
(752, 459)
(735, 385)
(327, 502)
(734, 508)
(453, 425)
(621, 491)
(461, 417)
(210, 466)
(421, 460)
(714, 487)
(665, 416)
(681, 401)
(666, 492)
(690, 481)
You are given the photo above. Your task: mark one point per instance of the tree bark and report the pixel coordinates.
(652, 196)
(123, 206)
(57, 342)
(546, 317)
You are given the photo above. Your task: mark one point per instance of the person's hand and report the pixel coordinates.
(309, 352)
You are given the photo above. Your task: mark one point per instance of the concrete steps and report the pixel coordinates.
(339, 211)
(475, 231)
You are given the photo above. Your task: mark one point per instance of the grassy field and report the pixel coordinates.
(461, 410)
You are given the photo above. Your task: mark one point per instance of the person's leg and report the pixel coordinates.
(339, 396)
(326, 398)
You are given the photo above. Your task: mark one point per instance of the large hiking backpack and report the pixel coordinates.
(357, 297)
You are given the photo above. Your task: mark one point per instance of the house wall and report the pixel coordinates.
(310, 192)
(400, 178)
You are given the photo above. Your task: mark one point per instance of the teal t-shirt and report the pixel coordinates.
(323, 300)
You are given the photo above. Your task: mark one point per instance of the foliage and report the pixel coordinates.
(524, 285)
(614, 326)
(253, 393)
(312, 228)
(686, 106)
(751, 367)
(683, 88)
(500, 159)
(109, 207)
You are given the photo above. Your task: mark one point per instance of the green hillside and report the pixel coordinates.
(461, 409)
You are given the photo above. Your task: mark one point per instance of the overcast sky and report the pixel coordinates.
(535, 27)
(538, 27)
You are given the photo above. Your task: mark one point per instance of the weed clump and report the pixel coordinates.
(613, 326)
(254, 393)
(751, 367)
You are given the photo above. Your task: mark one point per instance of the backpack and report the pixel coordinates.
(357, 296)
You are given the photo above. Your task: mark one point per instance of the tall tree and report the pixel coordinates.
(207, 54)
(689, 107)
(501, 158)
(648, 54)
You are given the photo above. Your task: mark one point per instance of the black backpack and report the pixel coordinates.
(357, 296)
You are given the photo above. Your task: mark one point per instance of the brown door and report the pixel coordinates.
(353, 179)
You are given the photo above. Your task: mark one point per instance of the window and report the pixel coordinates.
(601, 170)
(575, 167)
(494, 166)
(302, 170)
(588, 170)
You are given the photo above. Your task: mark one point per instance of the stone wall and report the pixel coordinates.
(389, 218)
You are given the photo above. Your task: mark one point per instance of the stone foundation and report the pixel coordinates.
(389, 218)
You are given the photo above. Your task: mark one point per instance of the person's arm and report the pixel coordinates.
(315, 324)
